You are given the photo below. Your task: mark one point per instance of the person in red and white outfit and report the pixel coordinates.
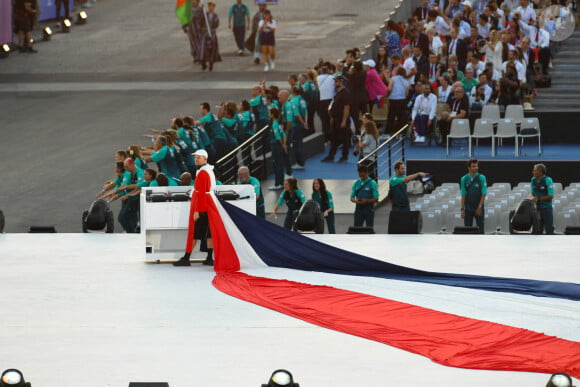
(198, 221)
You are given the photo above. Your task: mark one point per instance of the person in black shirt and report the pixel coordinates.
(340, 112)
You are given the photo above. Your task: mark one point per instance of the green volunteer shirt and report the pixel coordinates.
(212, 126)
(473, 188)
(298, 196)
(277, 133)
(543, 187)
(398, 192)
(131, 178)
(318, 199)
(239, 12)
(365, 189)
(257, 190)
(298, 109)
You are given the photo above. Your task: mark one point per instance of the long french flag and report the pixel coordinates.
(458, 320)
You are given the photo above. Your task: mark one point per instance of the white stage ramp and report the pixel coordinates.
(85, 310)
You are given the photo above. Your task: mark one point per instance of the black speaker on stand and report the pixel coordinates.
(405, 222)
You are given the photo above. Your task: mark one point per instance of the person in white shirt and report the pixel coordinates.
(520, 69)
(526, 11)
(540, 39)
(435, 43)
(481, 93)
(423, 113)
(476, 65)
(441, 24)
(409, 65)
(327, 90)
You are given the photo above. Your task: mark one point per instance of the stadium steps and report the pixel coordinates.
(564, 95)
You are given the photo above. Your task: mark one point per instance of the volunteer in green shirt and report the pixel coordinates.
(245, 178)
(473, 192)
(365, 194)
(324, 199)
(398, 187)
(214, 129)
(294, 199)
(240, 14)
(278, 148)
(298, 126)
(542, 195)
(259, 107)
(129, 214)
(165, 158)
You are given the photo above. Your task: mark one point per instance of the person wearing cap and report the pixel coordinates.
(267, 29)
(340, 112)
(239, 12)
(376, 88)
(199, 227)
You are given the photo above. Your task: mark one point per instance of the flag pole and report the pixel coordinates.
(205, 18)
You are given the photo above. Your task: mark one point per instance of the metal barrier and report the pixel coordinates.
(384, 157)
(251, 153)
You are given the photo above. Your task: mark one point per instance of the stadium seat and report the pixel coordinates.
(504, 188)
(506, 128)
(491, 220)
(515, 112)
(431, 223)
(483, 128)
(530, 127)
(558, 188)
(460, 129)
(564, 219)
(491, 112)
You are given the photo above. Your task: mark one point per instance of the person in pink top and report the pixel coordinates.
(376, 88)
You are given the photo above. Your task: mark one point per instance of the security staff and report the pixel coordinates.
(542, 195)
(473, 192)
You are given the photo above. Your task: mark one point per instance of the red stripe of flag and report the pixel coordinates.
(445, 338)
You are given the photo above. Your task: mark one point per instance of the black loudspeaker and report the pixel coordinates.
(360, 230)
(42, 229)
(466, 230)
(405, 222)
(141, 384)
(572, 230)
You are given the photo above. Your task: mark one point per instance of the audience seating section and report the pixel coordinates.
(441, 208)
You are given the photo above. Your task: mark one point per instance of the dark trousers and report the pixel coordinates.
(129, 215)
(65, 4)
(468, 220)
(240, 35)
(278, 162)
(544, 59)
(290, 217)
(421, 124)
(364, 213)
(330, 223)
(325, 118)
(340, 136)
(547, 219)
(397, 111)
(359, 106)
(312, 109)
(297, 141)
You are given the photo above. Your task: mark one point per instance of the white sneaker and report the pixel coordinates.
(420, 139)
(266, 67)
(288, 176)
(240, 52)
(297, 166)
(272, 65)
(275, 187)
